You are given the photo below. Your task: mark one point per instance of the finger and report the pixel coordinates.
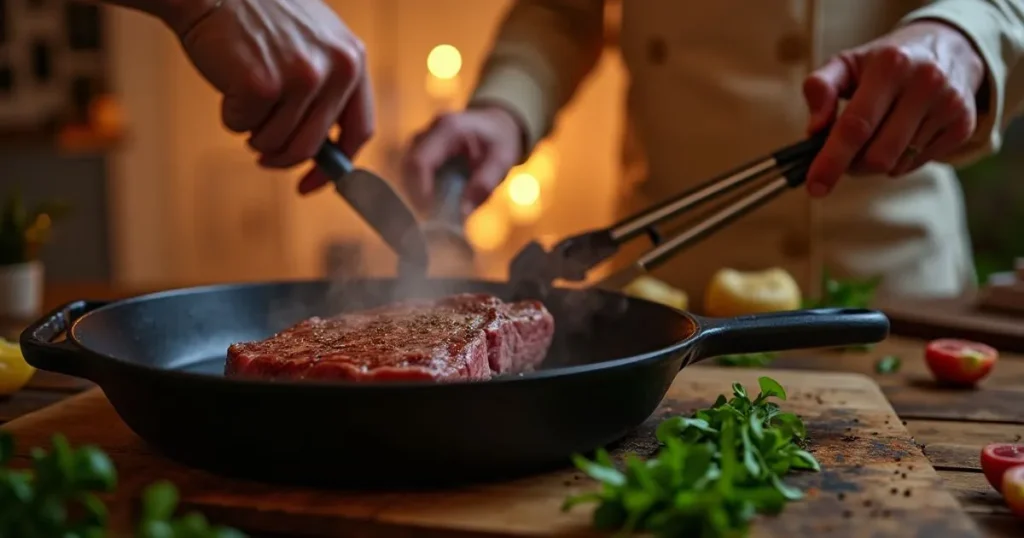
(308, 137)
(912, 106)
(314, 180)
(918, 158)
(927, 133)
(428, 151)
(357, 118)
(353, 113)
(822, 90)
(956, 118)
(300, 91)
(245, 110)
(316, 127)
(411, 176)
(858, 122)
(946, 142)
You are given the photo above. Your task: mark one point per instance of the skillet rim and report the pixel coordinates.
(697, 328)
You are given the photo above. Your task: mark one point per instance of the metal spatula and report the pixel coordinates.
(450, 254)
(379, 205)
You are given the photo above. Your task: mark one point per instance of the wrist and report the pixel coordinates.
(182, 15)
(962, 47)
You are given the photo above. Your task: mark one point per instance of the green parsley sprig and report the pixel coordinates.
(889, 364)
(847, 293)
(59, 497)
(747, 360)
(715, 471)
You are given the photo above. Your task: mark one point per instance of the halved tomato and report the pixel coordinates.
(959, 362)
(1013, 490)
(996, 458)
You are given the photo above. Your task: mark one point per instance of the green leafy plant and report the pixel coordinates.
(715, 471)
(23, 231)
(889, 364)
(58, 497)
(995, 209)
(847, 293)
(159, 502)
(747, 360)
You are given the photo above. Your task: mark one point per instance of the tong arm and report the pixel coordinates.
(793, 176)
(534, 268)
(636, 224)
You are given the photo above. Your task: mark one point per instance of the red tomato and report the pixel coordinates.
(959, 362)
(996, 458)
(1013, 490)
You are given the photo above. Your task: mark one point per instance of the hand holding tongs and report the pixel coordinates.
(533, 269)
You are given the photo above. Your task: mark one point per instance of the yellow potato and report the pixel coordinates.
(652, 289)
(14, 371)
(738, 293)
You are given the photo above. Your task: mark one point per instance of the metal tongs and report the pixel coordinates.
(533, 270)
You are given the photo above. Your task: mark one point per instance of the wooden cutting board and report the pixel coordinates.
(959, 317)
(875, 481)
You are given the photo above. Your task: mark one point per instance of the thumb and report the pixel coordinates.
(428, 151)
(822, 90)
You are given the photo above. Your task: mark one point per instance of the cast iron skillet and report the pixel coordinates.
(159, 359)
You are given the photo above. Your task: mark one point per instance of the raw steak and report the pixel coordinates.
(467, 336)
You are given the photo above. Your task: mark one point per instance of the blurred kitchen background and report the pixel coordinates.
(99, 108)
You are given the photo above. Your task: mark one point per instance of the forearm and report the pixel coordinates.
(996, 27)
(179, 15)
(543, 51)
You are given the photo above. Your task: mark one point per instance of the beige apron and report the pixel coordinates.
(711, 90)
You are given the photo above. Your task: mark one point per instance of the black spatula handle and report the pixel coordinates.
(333, 161)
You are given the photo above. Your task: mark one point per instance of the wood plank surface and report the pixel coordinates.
(951, 425)
(954, 318)
(875, 482)
(913, 391)
(25, 401)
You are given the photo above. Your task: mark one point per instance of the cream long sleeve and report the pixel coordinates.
(545, 48)
(997, 29)
(543, 51)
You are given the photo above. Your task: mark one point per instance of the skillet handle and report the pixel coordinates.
(44, 348)
(797, 329)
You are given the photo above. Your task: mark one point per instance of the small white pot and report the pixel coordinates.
(21, 290)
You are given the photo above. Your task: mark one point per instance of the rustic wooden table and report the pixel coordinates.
(952, 425)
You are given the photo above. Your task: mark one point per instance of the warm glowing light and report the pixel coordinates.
(444, 62)
(525, 214)
(523, 189)
(542, 163)
(486, 229)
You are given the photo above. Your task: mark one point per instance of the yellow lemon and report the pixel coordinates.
(738, 293)
(652, 289)
(14, 371)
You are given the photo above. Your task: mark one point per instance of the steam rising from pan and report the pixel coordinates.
(576, 314)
